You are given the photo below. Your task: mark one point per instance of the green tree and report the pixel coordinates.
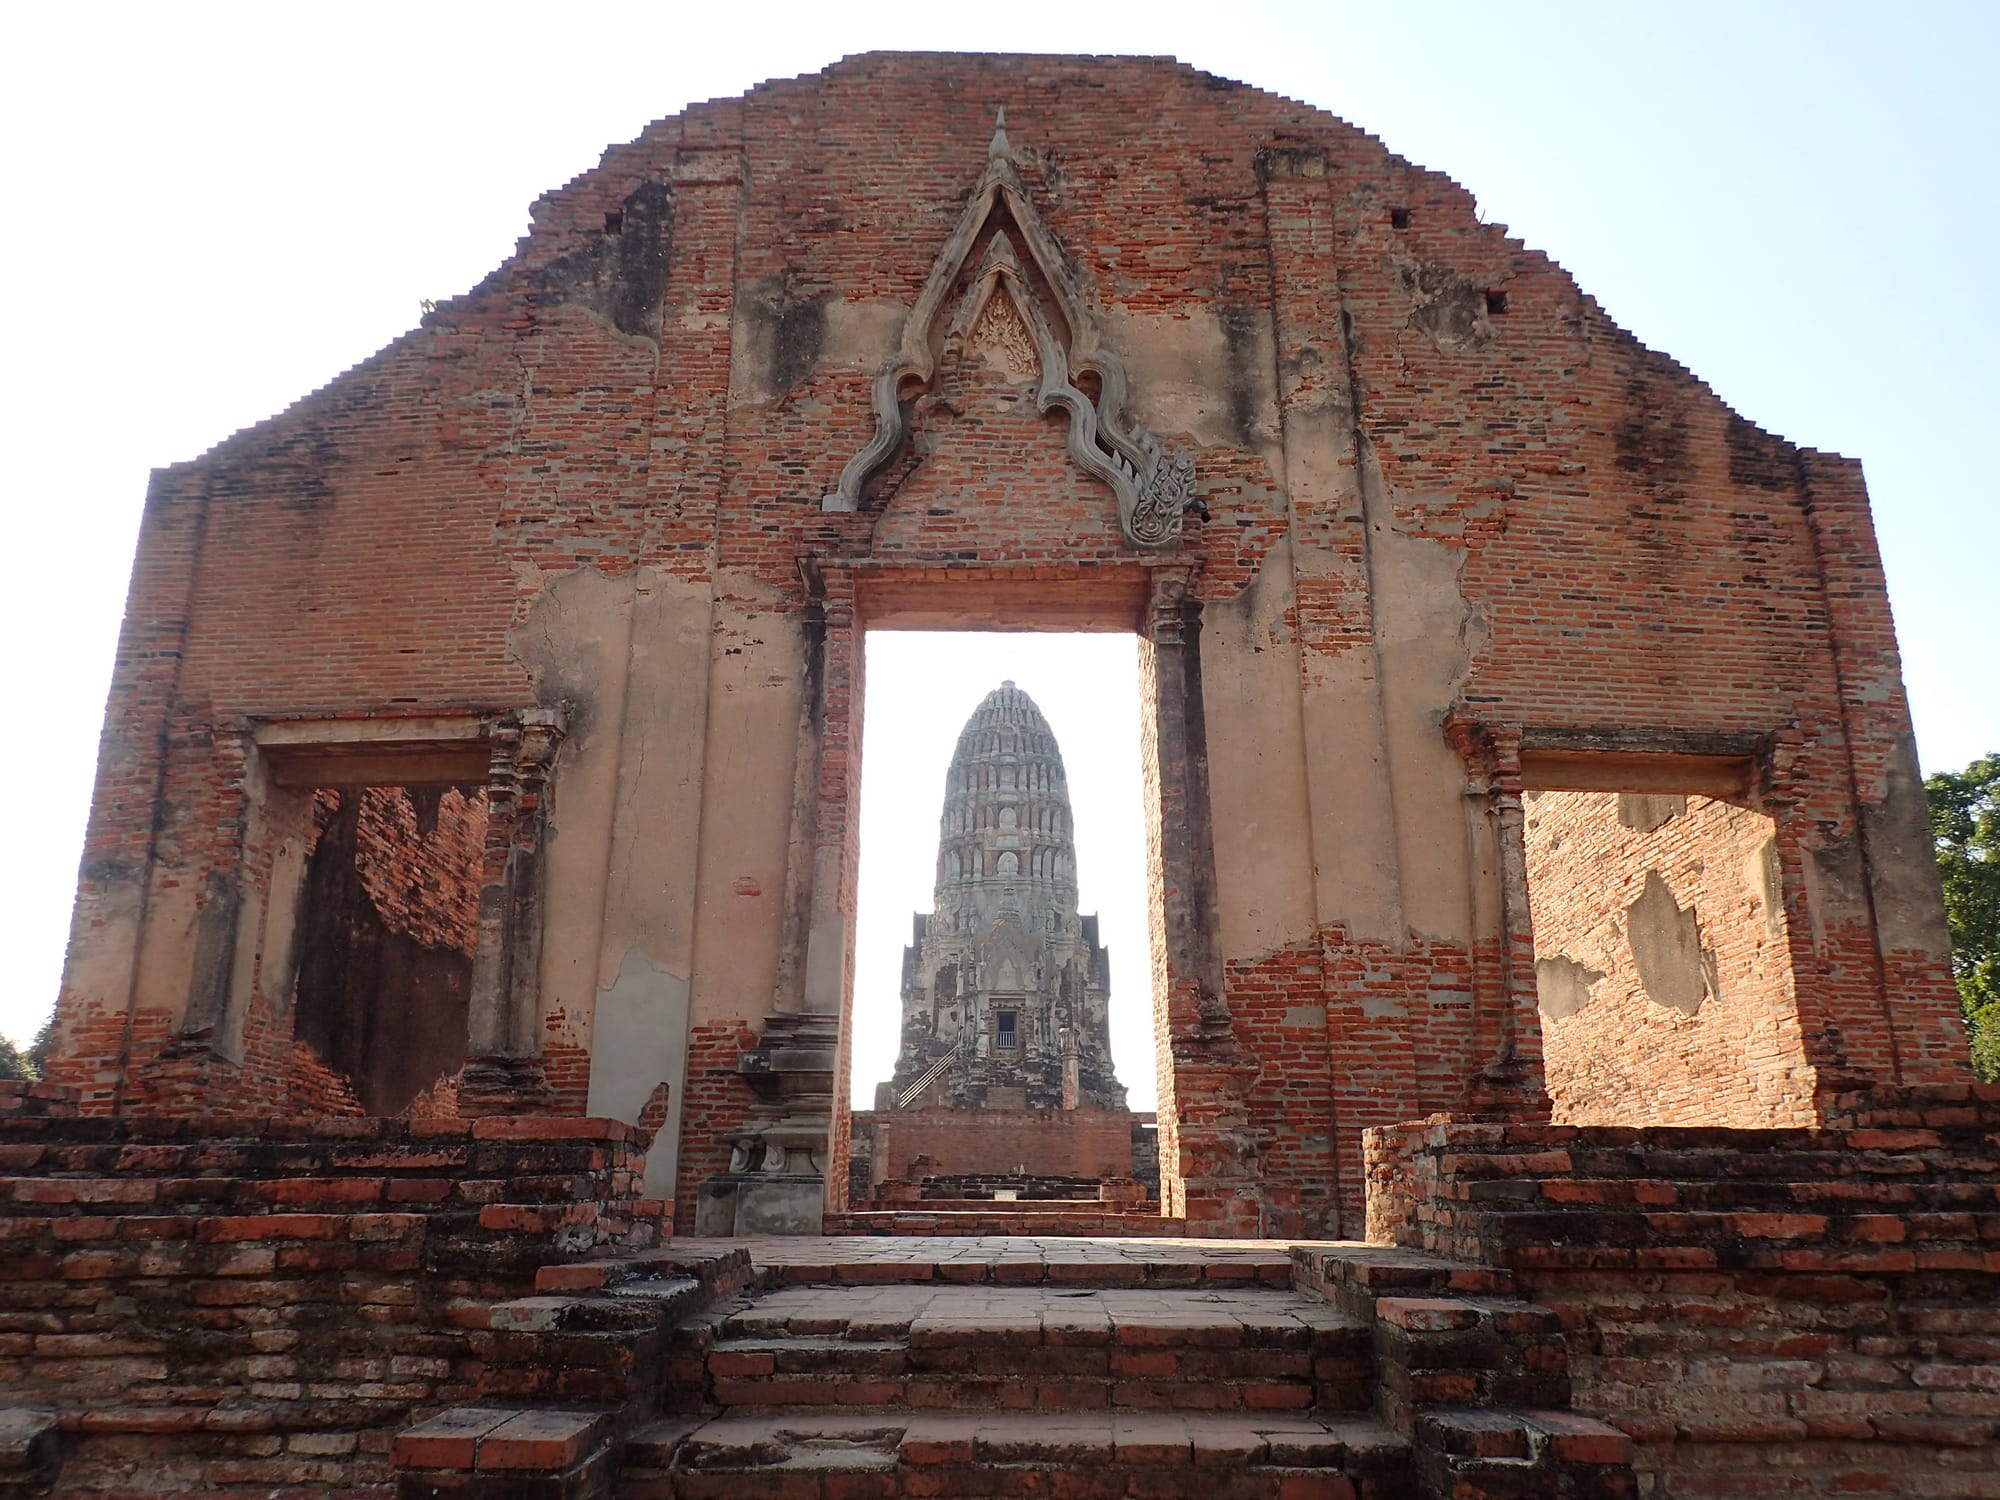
(26, 1063)
(1965, 827)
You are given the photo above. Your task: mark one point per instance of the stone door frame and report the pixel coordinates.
(1202, 1073)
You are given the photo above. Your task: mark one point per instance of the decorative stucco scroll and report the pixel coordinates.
(1154, 487)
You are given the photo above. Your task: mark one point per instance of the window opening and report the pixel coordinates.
(388, 921)
(1663, 961)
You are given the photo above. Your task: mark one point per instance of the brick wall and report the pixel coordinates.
(1691, 886)
(258, 1305)
(965, 1142)
(1807, 1311)
(1439, 481)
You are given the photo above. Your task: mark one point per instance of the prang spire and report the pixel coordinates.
(1006, 988)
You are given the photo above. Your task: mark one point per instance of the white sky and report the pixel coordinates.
(921, 688)
(212, 209)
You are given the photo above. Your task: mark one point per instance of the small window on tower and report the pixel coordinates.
(1003, 1030)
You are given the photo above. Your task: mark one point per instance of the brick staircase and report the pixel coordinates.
(1059, 1368)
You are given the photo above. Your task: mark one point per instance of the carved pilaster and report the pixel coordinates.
(776, 1180)
(503, 1070)
(1187, 841)
(1509, 1084)
(1206, 1121)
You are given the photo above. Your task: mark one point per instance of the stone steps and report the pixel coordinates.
(795, 1455)
(841, 1370)
(1039, 1347)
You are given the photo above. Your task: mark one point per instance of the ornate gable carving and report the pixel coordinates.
(1001, 314)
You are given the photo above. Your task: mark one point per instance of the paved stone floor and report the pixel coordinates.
(808, 1251)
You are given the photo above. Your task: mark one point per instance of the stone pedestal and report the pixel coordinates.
(776, 1182)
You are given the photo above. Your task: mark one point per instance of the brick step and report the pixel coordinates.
(1750, 1156)
(800, 1455)
(535, 1204)
(1050, 1259)
(723, 1270)
(1030, 1347)
(1850, 1192)
(602, 1343)
(1371, 1271)
(1140, 1380)
(1498, 1453)
(37, 1100)
(632, 1304)
(502, 1453)
(1027, 1207)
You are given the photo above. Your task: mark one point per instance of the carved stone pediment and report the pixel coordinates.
(1001, 314)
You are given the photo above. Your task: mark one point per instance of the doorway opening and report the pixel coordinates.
(1003, 1042)
(1663, 962)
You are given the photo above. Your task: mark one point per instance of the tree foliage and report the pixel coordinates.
(26, 1063)
(1965, 827)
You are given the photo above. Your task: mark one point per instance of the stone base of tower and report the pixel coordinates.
(900, 1157)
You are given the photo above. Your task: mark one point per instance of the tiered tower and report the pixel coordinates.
(1006, 989)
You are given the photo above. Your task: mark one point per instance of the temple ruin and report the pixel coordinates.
(1560, 1077)
(1004, 1088)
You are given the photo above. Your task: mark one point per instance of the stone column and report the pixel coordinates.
(503, 1067)
(1509, 1084)
(1205, 1125)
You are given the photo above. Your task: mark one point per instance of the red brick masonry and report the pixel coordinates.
(1767, 1312)
(262, 1303)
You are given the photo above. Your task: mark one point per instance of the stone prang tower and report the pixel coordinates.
(1006, 988)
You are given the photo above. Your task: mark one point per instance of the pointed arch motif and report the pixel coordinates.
(1154, 488)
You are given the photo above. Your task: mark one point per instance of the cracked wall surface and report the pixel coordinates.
(1663, 962)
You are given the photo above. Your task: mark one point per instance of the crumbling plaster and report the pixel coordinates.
(1256, 748)
(677, 702)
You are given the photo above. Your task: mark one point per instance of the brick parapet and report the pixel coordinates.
(37, 1100)
(1475, 1375)
(264, 1301)
(1088, 1143)
(1914, 1196)
(1825, 1300)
